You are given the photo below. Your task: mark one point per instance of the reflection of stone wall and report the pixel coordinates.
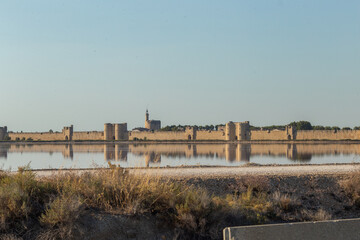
(153, 152)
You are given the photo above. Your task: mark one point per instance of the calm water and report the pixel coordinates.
(40, 156)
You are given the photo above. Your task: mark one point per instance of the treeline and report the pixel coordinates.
(300, 125)
(176, 128)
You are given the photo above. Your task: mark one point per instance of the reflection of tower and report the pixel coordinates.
(291, 151)
(68, 151)
(121, 152)
(152, 157)
(230, 152)
(109, 151)
(190, 151)
(4, 150)
(243, 152)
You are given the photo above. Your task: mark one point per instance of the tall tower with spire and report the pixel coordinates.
(146, 116)
(151, 124)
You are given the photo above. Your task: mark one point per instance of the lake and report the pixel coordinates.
(87, 155)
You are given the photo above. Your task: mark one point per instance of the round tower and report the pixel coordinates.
(230, 131)
(108, 132)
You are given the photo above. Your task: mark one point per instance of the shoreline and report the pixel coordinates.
(186, 172)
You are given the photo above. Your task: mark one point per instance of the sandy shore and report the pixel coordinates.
(214, 172)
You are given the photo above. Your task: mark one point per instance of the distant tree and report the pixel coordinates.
(335, 128)
(328, 128)
(346, 128)
(356, 128)
(219, 125)
(254, 128)
(273, 127)
(51, 131)
(302, 125)
(318, 128)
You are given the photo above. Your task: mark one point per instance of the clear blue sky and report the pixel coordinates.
(190, 62)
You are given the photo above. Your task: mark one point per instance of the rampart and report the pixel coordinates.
(328, 135)
(232, 131)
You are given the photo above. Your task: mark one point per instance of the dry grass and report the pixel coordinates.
(55, 204)
(352, 188)
(284, 202)
(319, 215)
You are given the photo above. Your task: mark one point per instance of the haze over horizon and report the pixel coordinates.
(189, 62)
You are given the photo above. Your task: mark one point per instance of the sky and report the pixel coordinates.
(199, 62)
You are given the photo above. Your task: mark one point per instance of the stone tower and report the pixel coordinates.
(242, 131)
(230, 131)
(237, 131)
(117, 131)
(290, 132)
(146, 116)
(68, 133)
(151, 124)
(3, 133)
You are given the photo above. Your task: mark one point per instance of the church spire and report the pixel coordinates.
(147, 115)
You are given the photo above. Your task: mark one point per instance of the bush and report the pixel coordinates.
(64, 209)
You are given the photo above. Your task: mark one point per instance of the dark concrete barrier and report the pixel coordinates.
(330, 230)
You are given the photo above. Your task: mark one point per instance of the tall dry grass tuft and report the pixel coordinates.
(352, 188)
(284, 202)
(319, 215)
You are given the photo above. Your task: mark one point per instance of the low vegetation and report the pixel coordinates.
(51, 207)
(352, 188)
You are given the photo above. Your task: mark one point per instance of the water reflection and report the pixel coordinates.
(203, 154)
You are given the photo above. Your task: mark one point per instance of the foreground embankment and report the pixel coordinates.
(171, 203)
(209, 172)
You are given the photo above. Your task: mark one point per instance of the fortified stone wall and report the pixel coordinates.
(94, 135)
(182, 135)
(210, 135)
(269, 135)
(38, 136)
(328, 135)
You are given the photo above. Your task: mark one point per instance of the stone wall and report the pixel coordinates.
(210, 135)
(328, 135)
(38, 136)
(160, 135)
(269, 135)
(94, 135)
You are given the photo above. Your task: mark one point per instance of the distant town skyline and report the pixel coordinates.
(188, 62)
